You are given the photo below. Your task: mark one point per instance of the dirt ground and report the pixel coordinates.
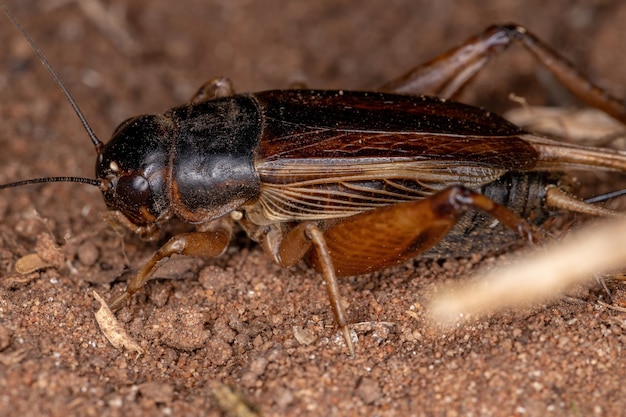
(239, 321)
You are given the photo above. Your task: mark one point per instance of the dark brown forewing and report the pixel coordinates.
(305, 124)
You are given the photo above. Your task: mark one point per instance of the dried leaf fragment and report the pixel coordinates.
(303, 336)
(598, 247)
(233, 403)
(30, 263)
(579, 125)
(112, 329)
(47, 255)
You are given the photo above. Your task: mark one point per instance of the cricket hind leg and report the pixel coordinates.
(447, 74)
(383, 237)
(390, 235)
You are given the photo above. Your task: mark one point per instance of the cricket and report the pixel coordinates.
(351, 182)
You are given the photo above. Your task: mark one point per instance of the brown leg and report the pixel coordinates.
(387, 236)
(293, 246)
(447, 74)
(332, 288)
(211, 241)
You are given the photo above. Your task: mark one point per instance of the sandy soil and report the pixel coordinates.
(239, 320)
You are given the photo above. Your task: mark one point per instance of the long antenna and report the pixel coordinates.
(89, 181)
(94, 139)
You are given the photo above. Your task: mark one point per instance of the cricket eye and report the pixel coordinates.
(133, 189)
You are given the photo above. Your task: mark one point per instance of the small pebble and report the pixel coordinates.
(88, 253)
(369, 391)
(158, 392)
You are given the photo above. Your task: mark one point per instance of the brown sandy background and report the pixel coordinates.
(233, 320)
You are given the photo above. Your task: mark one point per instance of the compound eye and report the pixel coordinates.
(134, 189)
